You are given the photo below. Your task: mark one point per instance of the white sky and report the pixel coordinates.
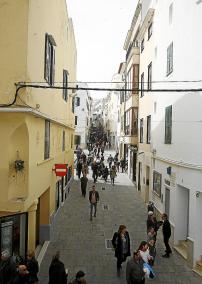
(100, 28)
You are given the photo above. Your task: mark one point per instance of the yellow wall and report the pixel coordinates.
(23, 27)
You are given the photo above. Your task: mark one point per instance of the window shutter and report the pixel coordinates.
(47, 59)
(168, 125)
(52, 66)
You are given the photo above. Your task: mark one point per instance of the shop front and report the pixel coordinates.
(13, 234)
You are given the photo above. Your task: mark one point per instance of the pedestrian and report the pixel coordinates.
(144, 252)
(80, 278)
(79, 168)
(93, 198)
(23, 276)
(95, 171)
(57, 273)
(85, 169)
(110, 160)
(112, 174)
(166, 229)
(32, 267)
(7, 268)
(123, 164)
(84, 182)
(152, 251)
(121, 244)
(151, 234)
(152, 222)
(134, 270)
(105, 173)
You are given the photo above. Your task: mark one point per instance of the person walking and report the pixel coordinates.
(166, 229)
(95, 171)
(112, 174)
(110, 160)
(84, 182)
(79, 168)
(123, 164)
(32, 267)
(93, 198)
(152, 222)
(121, 244)
(80, 278)
(57, 272)
(134, 270)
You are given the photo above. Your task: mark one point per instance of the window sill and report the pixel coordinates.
(45, 161)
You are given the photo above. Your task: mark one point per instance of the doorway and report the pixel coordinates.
(147, 184)
(167, 201)
(139, 176)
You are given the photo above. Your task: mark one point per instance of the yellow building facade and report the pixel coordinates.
(37, 124)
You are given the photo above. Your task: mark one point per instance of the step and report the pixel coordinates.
(183, 243)
(197, 271)
(182, 250)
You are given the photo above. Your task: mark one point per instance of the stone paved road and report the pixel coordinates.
(82, 243)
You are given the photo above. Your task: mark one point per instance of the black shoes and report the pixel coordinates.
(166, 255)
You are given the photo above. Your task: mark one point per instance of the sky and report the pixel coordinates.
(100, 28)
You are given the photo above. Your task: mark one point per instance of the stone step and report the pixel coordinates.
(197, 270)
(182, 250)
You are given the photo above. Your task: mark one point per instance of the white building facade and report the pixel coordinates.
(83, 115)
(170, 122)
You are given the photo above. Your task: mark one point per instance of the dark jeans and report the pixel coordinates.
(112, 180)
(120, 259)
(138, 282)
(168, 249)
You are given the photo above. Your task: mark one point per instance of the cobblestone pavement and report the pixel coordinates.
(82, 242)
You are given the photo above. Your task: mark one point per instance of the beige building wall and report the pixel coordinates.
(23, 28)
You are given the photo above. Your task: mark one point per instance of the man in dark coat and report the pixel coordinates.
(84, 182)
(121, 244)
(7, 268)
(166, 229)
(23, 276)
(134, 270)
(79, 168)
(57, 272)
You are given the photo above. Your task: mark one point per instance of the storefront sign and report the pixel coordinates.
(60, 170)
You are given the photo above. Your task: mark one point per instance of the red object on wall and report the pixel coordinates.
(60, 170)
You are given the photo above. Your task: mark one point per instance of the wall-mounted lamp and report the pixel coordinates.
(19, 165)
(197, 194)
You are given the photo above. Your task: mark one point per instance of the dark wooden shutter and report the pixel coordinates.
(46, 59)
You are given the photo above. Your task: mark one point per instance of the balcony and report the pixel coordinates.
(133, 49)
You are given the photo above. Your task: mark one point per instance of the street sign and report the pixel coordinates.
(60, 170)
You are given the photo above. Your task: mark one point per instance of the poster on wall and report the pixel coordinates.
(7, 236)
(157, 183)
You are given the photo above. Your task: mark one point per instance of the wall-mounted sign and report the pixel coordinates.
(60, 170)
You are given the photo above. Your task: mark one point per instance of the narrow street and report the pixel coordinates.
(82, 243)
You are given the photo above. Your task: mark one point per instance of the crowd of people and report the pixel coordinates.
(140, 266)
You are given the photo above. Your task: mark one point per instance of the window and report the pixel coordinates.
(129, 83)
(141, 129)
(77, 101)
(142, 45)
(63, 141)
(77, 140)
(65, 85)
(73, 102)
(170, 59)
(134, 122)
(148, 129)
(142, 85)
(168, 125)
(76, 120)
(157, 183)
(135, 83)
(47, 140)
(49, 72)
(149, 80)
(170, 14)
(149, 31)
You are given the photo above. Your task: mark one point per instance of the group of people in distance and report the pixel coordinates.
(140, 266)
